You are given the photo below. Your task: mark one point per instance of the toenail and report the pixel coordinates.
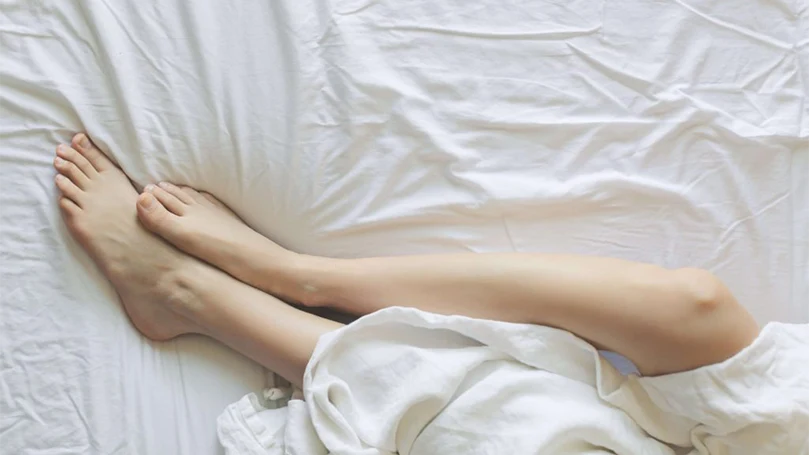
(163, 185)
(148, 202)
(84, 142)
(59, 177)
(149, 188)
(59, 161)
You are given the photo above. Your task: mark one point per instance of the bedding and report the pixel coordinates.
(402, 381)
(669, 132)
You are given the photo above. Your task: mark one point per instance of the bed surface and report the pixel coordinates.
(669, 132)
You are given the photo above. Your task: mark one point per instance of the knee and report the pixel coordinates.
(702, 289)
(718, 326)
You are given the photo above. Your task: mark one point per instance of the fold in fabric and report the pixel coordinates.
(409, 382)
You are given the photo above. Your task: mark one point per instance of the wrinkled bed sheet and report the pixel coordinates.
(670, 132)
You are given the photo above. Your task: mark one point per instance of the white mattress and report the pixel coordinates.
(668, 132)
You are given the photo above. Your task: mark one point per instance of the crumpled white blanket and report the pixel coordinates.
(409, 382)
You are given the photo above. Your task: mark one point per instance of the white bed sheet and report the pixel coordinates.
(669, 132)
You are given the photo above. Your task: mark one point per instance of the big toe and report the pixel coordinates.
(156, 218)
(96, 157)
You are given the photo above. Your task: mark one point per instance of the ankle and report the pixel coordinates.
(182, 288)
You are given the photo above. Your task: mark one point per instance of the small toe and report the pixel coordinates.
(156, 217)
(196, 195)
(70, 154)
(209, 197)
(175, 191)
(71, 171)
(68, 189)
(168, 200)
(95, 156)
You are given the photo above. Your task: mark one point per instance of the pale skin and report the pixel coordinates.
(182, 263)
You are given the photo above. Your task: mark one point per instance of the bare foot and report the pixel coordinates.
(200, 225)
(98, 207)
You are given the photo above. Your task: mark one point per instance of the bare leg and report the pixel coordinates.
(663, 320)
(274, 334)
(165, 292)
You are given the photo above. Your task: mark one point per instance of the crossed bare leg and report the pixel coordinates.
(165, 292)
(663, 320)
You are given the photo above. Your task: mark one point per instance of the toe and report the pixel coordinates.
(209, 197)
(86, 147)
(156, 217)
(168, 200)
(69, 189)
(71, 171)
(68, 207)
(194, 194)
(175, 191)
(217, 204)
(70, 154)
